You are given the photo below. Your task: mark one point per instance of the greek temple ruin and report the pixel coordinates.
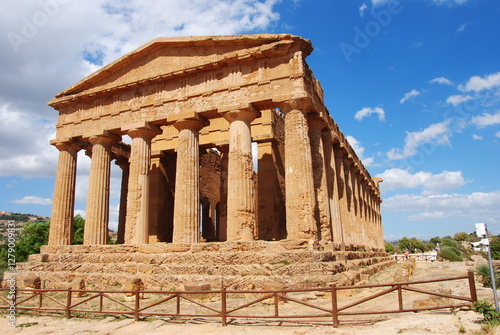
(247, 108)
(234, 173)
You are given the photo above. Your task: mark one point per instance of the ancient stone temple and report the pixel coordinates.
(230, 142)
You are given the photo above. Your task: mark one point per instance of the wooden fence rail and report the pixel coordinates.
(170, 303)
(418, 257)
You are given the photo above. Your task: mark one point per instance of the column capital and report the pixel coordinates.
(71, 146)
(302, 104)
(355, 168)
(194, 124)
(316, 122)
(142, 132)
(104, 139)
(246, 114)
(142, 129)
(377, 181)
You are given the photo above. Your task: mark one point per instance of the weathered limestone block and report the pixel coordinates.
(198, 287)
(77, 284)
(136, 284)
(32, 282)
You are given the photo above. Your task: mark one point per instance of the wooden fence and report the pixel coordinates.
(418, 257)
(228, 304)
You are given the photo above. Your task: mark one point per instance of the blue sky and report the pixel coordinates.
(415, 84)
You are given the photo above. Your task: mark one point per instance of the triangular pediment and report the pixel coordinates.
(177, 55)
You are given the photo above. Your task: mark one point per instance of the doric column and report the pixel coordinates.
(333, 187)
(241, 214)
(124, 165)
(61, 222)
(97, 213)
(224, 160)
(316, 125)
(341, 188)
(187, 182)
(270, 205)
(137, 223)
(349, 197)
(298, 172)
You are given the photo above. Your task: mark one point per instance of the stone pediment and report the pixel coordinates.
(177, 56)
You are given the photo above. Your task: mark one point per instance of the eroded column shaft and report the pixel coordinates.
(61, 222)
(125, 167)
(187, 194)
(333, 189)
(241, 215)
(320, 180)
(137, 223)
(97, 213)
(298, 175)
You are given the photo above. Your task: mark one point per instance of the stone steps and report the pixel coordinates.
(116, 281)
(240, 265)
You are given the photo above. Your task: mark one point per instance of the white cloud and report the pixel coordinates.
(442, 80)
(437, 134)
(457, 99)
(409, 95)
(366, 111)
(32, 200)
(478, 84)
(449, 2)
(462, 27)
(41, 58)
(486, 119)
(379, 2)
(430, 183)
(497, 134)
(417, 44)
(362, 9)
(476, 206)
(24, 144)
(476, 137)
(360, 151)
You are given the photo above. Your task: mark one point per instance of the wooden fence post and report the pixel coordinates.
(472, 286)
(223, 307)
(68, 304)
(400, 297)
(137, 304)
(335, 311)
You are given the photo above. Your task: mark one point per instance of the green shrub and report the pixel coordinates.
(448, 242)
(451, 254)
(491, 315)
(484, 271)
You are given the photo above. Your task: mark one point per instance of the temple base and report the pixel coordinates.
(236, 265)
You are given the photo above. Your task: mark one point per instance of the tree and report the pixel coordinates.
(411, 244)
(78, 229)
(435, 240)
(495, 247)
(31, 238)
(461, 236)
(389, 248)
(448, 242)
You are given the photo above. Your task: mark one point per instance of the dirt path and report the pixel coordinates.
(431, 322)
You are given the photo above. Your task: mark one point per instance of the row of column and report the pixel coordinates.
(318, 205)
